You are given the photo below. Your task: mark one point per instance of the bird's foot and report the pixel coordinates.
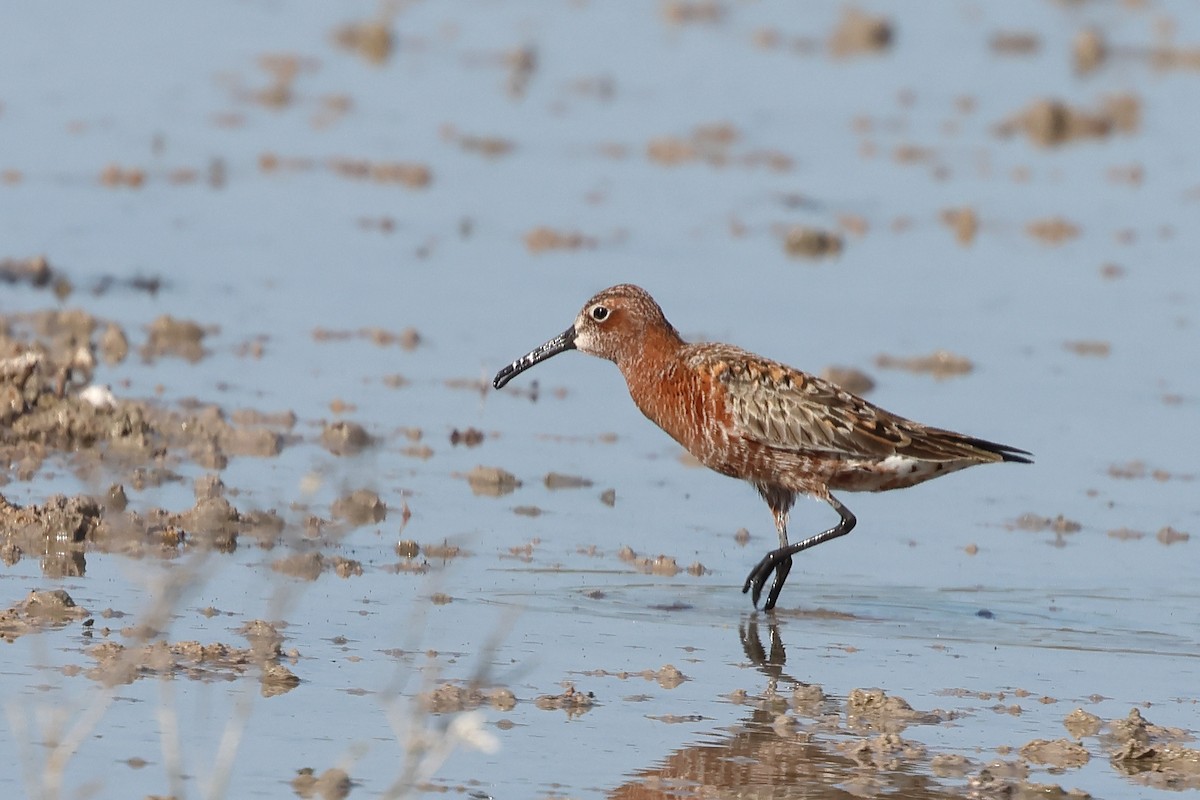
(777, 561)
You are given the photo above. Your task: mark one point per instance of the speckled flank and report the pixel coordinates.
(783, 430)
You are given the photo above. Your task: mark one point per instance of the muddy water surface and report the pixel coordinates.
(266, 529)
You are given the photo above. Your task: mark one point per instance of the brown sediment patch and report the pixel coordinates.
(45, 406)
(713, 144)
(372, 40)
(1053, 230)
(1049, 123)
(1037, 523)
(609, 497)
(964, 222)
(859, 33)
(950, 765)
(666, 676)
(556, 480)
(1060, 753)
(1169, 536)
(181, 338)
(523, 552)
(1137, 469)
(118, 664)
(543, 239)
(1089, 347)
(487, 146)
(876, 710)
(469, 437)
(115, 175)
(52, 608)
(940, 364)
(345, 438)
(852, 380)
(573, 701)
(306, 566)
(527, 511)
(332, 784)
(1126, 534)
(1151, 754)
(452, 698)
(359, 507)
(1089, 50)
(1014, 43)
(800, 241)
(407, 174)
(444, 551)
(683, 12)
(492, 481)
(57, 531)
(1009, 779)
(887, 751)
(63, 530)
(658, 565)
(36, 272)
(406, 339)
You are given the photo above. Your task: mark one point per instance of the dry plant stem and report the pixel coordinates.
(282, 598)
(56, 763)
(426, 747)
(231, 739)
(16, 723)
(168, 734)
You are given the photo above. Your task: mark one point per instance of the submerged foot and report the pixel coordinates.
(776, 561)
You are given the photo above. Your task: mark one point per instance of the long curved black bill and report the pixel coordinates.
(564, 341)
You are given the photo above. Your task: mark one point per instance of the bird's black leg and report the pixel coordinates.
(780, 561)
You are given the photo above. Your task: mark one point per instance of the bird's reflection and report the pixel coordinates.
(771, 752)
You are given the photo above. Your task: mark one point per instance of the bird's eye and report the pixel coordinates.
(599, 313)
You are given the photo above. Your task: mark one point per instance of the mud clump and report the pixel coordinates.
(449, 698)
(118, 664)
(858, 33)
(406, 174)
(492, 481)
(36, 272)
(713, 145)
(668, 676)
(940, 364)
(1060, 753)
(343, 438)
(1050, 123)
(543, 239)
(470, 437)
(180, 338)
(1080, 723)
(309, 566)
(573, 701)
(1151, 754)
(659, 565)
(888, 713)
(852, 380)
(39, 610)
(57, 531)
(556, 480)
(332, 784)
(372, 40)
(803, 242)
(964, 222)
(360, 507)
(1053, 231)
(887, 751)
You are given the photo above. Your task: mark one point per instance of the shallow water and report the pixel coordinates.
(1008, 640)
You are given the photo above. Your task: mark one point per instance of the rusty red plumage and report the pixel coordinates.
(783, 430)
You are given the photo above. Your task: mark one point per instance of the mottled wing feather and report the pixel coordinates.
(790, 410)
